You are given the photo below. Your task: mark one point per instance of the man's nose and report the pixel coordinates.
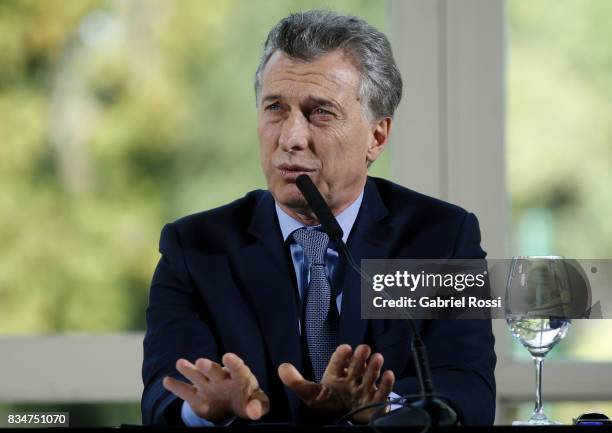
(295, 132)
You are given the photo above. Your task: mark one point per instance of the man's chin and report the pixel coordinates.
(290, 197)
(297, 203)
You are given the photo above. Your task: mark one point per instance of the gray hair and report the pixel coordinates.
(311, 34)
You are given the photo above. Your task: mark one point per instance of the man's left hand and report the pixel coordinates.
(349, 382)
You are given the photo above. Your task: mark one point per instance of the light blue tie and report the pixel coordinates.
(321, 317)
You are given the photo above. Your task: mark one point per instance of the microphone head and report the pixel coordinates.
(319, 207)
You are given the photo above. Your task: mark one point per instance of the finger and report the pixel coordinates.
(357, 364)
(339, 360)
(306, 391)
(237, 369)
(258, 406)
(190, 371)
(179, 388)
(289, 375)
(385, 386)
(254, 410)
(211, 370)
(372, 371)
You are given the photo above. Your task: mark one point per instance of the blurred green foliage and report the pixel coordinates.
(559, 130)
(115, 118)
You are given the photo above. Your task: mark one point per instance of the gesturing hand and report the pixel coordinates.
(349, 382)
(218, 392)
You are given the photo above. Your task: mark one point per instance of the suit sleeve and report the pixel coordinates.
(461, 352)
(176, 328)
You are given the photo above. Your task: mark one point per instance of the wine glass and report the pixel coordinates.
(538, 313)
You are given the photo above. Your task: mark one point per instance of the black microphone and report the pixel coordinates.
(436, 411)
(329, 223)
(319, 207)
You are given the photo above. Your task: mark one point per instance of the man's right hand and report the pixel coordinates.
(218, 392)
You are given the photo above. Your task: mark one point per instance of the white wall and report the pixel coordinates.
(448, 138)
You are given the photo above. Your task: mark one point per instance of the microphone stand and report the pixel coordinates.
(429, 409)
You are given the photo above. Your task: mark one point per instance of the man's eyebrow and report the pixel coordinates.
(273, 97)
(315, 100)
(310, 100)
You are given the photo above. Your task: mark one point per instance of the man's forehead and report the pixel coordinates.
(332, 71)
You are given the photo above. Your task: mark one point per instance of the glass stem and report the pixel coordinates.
(538, 361)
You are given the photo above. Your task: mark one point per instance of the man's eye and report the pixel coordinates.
(273, 107)
(321, 112)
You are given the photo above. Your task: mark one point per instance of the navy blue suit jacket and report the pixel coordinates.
(225, 283)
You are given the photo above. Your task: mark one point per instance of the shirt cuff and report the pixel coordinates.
(393, 406)
(192, 420)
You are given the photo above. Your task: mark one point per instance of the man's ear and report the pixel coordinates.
(380, 136)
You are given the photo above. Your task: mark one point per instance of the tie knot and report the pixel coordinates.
(314, 243)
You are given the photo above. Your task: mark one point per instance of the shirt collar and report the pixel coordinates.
(346, 219)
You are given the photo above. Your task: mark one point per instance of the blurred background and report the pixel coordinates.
(119, 116)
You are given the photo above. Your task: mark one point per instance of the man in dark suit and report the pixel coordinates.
(253, 313)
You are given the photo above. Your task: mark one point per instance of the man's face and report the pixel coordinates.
(311, 120)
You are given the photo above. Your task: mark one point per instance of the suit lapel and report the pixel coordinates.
(263, 268)
(370, 238)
